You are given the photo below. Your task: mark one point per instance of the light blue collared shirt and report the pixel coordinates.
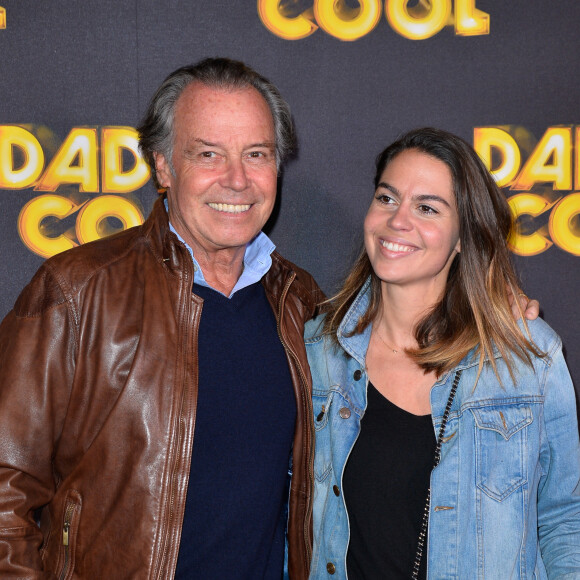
(257, 261)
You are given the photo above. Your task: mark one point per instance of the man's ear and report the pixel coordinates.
(163, 169)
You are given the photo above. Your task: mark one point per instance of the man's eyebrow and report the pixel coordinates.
(206, 143)
(420, 197)
(265, 144)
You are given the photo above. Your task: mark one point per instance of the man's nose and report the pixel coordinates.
(235, 176)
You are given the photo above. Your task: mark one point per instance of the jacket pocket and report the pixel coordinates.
(501, 442)
(323, 457)
(70, 523)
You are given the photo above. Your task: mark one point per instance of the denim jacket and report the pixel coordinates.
(505, 498)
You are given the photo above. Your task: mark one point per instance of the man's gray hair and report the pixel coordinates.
(156, 132)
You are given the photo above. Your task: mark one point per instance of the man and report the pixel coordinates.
(154, 389)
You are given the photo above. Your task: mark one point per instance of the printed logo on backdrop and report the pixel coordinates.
(103, 161)
(352, 19)
(2, 17)
(84, 184)
(542, 182)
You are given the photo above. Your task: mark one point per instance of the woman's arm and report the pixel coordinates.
(559, 489)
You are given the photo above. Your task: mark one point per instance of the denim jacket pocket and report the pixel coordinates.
(323, 456)
(501, 439)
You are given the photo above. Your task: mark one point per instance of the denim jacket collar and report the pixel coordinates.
(357, 344)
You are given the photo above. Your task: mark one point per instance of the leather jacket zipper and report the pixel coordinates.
(66, 538)
(306, 527)
(171, 502)
(178, 454)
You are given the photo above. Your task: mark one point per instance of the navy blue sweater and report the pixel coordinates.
(235, 515)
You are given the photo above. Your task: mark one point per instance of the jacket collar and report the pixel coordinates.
(163, 242)
(357, 345)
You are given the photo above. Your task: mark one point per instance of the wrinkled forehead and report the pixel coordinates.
(212, 101)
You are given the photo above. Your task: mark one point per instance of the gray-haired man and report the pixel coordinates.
(154, 390)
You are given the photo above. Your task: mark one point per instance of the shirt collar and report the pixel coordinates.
(257, 261)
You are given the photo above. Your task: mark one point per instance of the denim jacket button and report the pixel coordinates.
(330, 568)
(336, 490)
(344, 412)
(357, 375)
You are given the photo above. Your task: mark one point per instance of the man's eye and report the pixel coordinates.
(257, 154)
(207, 154)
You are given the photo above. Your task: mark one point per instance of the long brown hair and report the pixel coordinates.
(474, 311)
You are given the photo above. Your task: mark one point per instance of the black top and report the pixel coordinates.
(235, 514)
(385, 485)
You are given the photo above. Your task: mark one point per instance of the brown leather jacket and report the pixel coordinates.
(98, 391)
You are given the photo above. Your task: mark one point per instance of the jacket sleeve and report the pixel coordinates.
(559, 490)
(36, 346)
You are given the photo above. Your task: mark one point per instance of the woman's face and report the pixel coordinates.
(412, 228)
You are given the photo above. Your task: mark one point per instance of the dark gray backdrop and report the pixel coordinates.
(66, 65)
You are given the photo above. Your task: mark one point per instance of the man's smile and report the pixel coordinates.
(229, 207)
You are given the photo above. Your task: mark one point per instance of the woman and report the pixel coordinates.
(418, 363)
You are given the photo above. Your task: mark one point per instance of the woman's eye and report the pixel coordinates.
(427, 209)
(384, 198)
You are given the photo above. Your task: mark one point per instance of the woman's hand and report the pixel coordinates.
(530, 308)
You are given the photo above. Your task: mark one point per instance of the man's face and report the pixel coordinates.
(224, 184)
